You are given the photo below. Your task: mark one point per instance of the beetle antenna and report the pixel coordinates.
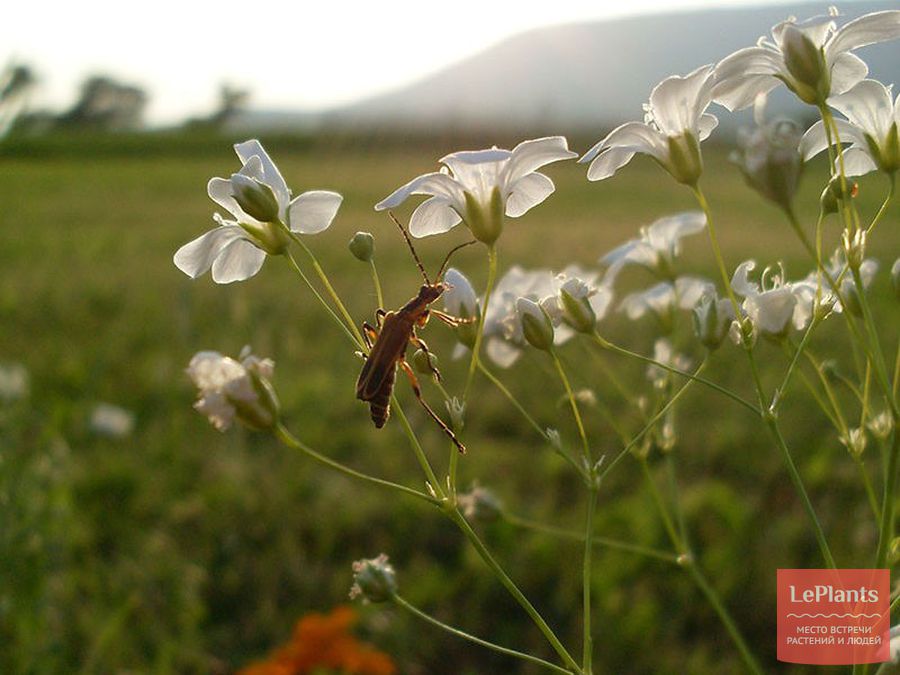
(411, 248)
(452, 251)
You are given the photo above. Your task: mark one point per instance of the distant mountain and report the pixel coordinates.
(587, 75)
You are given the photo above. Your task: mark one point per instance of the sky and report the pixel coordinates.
(289, 55)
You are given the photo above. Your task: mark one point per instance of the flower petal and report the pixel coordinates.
(436, 184)
(433, 216)
(313, 211)
(633, 136)
(527, 192)
(529, 156)
(610, 161)
(869, 106)
(706, 124)
(196, 257)
(847, 71)
(690, 289)
(858, 162)
(238, 261)
(219, 190)
(814, 141)
(271, 175)
(502, 352)
(738, 93)
(677, 102)
(866, 30)
(740, 283)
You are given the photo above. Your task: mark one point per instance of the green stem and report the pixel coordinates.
(471, 638)
(870, 492)
(597, 541)
(512, 399)
(886, 531)
(510, 586)
(359, 343)
(376, 282)
(417, 449)
(479, 336)
(884, 204)
(291, 441)
(587, 577)
(586, 448)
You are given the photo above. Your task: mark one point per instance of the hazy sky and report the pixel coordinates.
(300, 54)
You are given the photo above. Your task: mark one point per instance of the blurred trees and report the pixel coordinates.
(106, 105)
(15, 83)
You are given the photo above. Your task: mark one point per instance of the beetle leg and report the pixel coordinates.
(421, 344)
(369, 334)
(379, 316)
(414, 382)
(453, 321)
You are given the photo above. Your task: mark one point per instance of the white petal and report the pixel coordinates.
(866, 30)
(740, 283)
(665, 233)
(271, 174)
(238, 261)
(691, 289)
(706, 125)
(848, 70)
(634, 136)
(677, 102)
(738, 93)
(529, 156)
(219, 190)
(313, 211)
(608, 163)
(196, 257)
(847, 133)
(814, 141)
(433, 216)
(527, 192)
(858, 162)
(633, 252)
(869, 106)
(437, 184)
(459, 298)
(502, 352)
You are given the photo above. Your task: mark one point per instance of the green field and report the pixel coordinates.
(182, 550)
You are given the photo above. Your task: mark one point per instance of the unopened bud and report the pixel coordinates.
(770, 159)
(425, 362)
(685, 161)
(536, 325)
(854, 247)
(457, 410)
(255, 198)
(712, 318)
(881, 425)
(855, 442)
(374, 580)
(576, 306)
(362, 246)
(837, 190)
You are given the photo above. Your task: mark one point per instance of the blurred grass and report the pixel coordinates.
(180, 549)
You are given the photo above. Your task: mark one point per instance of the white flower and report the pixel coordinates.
(812, 58)
(657, 248)
(231, 388)
(236, 249)
(13, 382)
(479, 187)
(871, 129)
(712, 317)
(664, 353)
(773, 304)
(578, 301)
(662, 299)
(675, 123)
(111, 421)
(459, 298)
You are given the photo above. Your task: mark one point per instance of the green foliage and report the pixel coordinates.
(182, 550)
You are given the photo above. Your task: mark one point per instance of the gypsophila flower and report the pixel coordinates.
(374, 580)
(232, 389)
(675, 122)
(480, 187)
(664, 353)
(871, 129)
(236, 249)
(664, 298)
(111, 421)
(813, 59)
(773, 304)
(657, 247)
(578, 301)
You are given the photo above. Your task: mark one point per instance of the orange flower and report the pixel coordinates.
(324, 641)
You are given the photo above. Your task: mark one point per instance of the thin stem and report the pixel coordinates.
(717, 251)
(510, 586)
(586, 448)
(328, 287)
(291, 441)
(376, 282)
(337, 319)
(476, 349)
(795, 359)
(829, 392)
(606, 344)
(587, 576)
(884, 204)
(661, 508)
(886, 530)
(597, 541)
(867, 484)
(471, 638)
(417, 449)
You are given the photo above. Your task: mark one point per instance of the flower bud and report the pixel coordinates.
(576, 306)
(256, 199)
(536, 325)
(485, 220)
(806, 63)
(686, 163)
(457, 411)
(881, 425)
(855, 442)
(854, 247)
(837, 191)
(770, 159)
(460, 301)
(712, 318)
(424, 362)
(895, 277)
(362, 246)
(480, 504)
(374, 580)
